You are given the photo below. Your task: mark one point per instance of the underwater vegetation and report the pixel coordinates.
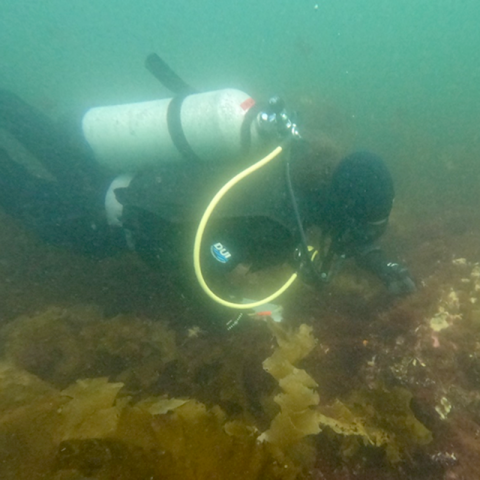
(365, 387)
(105, 428)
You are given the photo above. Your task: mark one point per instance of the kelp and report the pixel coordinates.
(149, 357)
(62, 345)
(377, 417)
(102, 428)
(296, 418)
(91, 428)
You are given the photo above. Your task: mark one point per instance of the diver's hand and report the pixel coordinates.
(397, 279)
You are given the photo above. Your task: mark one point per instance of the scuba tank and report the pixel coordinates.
(217, 126)
(204, 126)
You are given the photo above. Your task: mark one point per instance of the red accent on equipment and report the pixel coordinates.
(247, 104)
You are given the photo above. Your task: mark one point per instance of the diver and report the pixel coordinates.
(156, 210)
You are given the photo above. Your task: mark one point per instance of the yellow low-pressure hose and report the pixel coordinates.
(201, 230)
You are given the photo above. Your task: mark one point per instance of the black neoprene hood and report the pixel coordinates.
(361, 189)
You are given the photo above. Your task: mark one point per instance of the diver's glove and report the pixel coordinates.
(394, 276)
(397, 279)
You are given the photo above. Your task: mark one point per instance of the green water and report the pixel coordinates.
(401, 78)
(375, 59)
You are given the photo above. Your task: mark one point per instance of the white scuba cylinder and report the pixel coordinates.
(128, 137)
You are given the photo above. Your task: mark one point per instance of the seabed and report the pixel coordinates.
(103, 375)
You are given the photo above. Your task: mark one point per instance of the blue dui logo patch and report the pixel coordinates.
(220, 253)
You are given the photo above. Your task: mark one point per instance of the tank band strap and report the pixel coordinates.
(175, 129)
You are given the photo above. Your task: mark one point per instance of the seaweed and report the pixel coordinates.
(103, 427)
(62, 345)
(91, 428)
(296, 418)
(378, 416)
(96, 427)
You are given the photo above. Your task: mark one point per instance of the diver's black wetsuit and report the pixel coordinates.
(254, 224)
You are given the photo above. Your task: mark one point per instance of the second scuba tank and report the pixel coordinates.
(207, 127)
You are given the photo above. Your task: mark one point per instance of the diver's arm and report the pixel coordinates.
(394, 276)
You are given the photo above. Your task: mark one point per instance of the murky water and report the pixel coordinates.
(392, 383)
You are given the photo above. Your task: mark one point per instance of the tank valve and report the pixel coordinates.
(275, 120)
